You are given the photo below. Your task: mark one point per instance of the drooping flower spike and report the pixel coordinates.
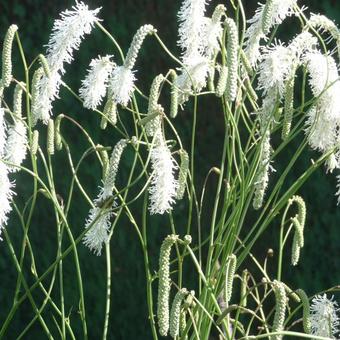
(191, 29)
(164, 284)
(193, 43)
(16, 145)
(322, 23)
(323, 120)
(123, 78)
(213, 31)
(67, 34)
(163, 186)
(6, 185)
(266, 16)
(6, 77)
(99, 216)
(94, 85)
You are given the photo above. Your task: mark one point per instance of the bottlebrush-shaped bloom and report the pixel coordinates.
(6, 194)
(67, 34)
(323, 316)
(193, 78)
(262, 175)
(99, 224)
(213, 31)
(324, 76)
(232, 60)
(324, 118)
(302, 44)
(122, 83)
(275, 66)
(193, 40)
(16, 145)
(47, 92)
(324, 24)
(152, 126)
(99, 216)
(94, 85)
(265, 18)
(266, 118)
(163, 184)
(191, 28)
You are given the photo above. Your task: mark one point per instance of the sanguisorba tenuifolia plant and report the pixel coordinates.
(233, 61)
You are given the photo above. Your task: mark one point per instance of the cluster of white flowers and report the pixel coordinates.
(213, 31)
(13, 148)
(191, 28)
(266, 16)
(194, 76)
(67, 34)
(122, 82)
(6, 194)
(324, 118)
(163, 183)
(199, 39)
(277, 68)
(323, 316)
(274, 69)
(98, 223)
(16, 145)
(94, 85)
(5, 184)
(324, 24)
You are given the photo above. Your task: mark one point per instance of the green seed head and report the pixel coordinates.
(7, 56)
(164, 284)
(176, 312)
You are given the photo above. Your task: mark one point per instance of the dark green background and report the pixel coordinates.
(319, 267)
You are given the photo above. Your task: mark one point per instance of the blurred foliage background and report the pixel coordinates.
(319, 267)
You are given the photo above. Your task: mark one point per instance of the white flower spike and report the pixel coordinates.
(99, 216)
(323, 316)
(265, 18)
(6, 194)
(94, 85)
(16, 145)
(191, 28)
(163, 184)
(324, 118)
(67, 34)
(123, 78)
(122, 83)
